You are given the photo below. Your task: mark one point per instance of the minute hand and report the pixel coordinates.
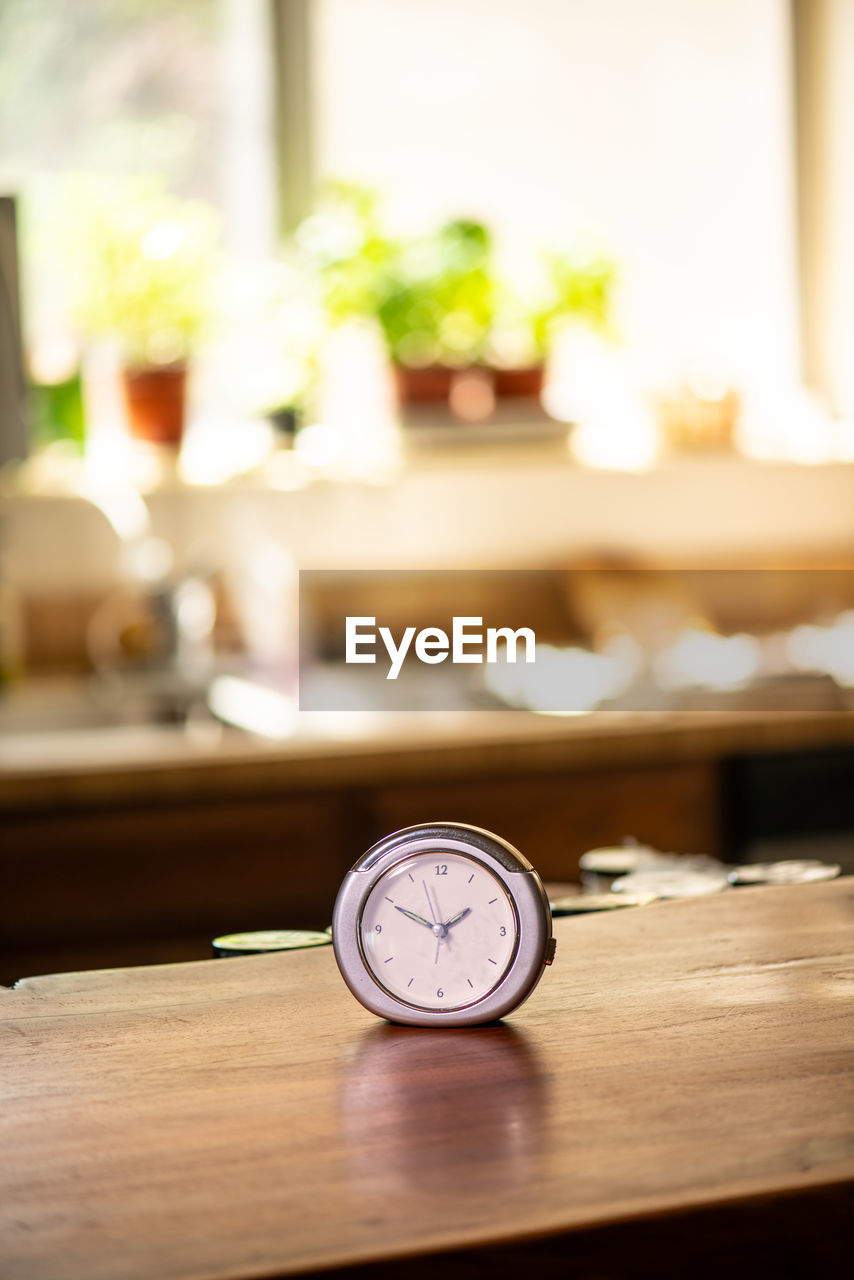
(428, 924)
(461, 915)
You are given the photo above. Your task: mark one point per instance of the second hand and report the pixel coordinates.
(438, 929)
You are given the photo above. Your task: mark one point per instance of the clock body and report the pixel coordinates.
(442, 925)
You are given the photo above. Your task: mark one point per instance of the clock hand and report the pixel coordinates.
(429, 903)
(461, 915)
(413, 916)
(439, 929)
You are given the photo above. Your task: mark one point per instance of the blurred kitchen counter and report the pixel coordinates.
(80, 767)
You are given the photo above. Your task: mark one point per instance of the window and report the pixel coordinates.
(663, 128)
(103, 91)
(663, 131)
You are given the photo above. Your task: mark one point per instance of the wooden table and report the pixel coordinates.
(247, 1118)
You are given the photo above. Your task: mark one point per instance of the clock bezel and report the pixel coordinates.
(519, 880)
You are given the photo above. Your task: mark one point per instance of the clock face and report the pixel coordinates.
(438, 930)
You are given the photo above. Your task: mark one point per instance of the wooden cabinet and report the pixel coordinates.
(137, 885)
(107, 885)
(553, 819)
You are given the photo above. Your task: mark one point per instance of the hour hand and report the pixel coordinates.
(412, 916)
(461, 915)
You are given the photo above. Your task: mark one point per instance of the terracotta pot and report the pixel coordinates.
(155, 401)
(519, 383)
(427, 385)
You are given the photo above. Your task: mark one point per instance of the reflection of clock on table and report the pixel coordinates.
(442, 925)
(427, 1110)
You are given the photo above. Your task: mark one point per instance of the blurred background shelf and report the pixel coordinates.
(505, 508)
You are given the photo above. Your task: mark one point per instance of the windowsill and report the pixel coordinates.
(503, 507)
(56, 473)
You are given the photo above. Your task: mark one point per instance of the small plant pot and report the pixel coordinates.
(430, 384)
(690, 423)
(155, 400)
(513, 384)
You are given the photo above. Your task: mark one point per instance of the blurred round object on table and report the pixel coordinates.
(601, 867)
(264, 940)
(794, 871)
(672, 882)
(582, 904)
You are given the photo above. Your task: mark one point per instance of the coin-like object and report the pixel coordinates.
(671, 883)
(582, 904)
(601, 867)
(264, 940)
(793, 871)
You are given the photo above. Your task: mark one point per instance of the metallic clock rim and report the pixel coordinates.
(524, 889)
(474, 837)
(471, 1004)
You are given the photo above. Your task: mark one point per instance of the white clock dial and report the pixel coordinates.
(438, 930)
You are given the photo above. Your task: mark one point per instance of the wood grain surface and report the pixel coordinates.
(246, 1118)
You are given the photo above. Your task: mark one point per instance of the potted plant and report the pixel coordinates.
(431, 296)
(581, 286)
(343, 246)
(438, 308)
(571, 285)
(439, 303)
(143, 261)
(518, 345)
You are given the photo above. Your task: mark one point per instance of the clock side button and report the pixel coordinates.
(551, 947)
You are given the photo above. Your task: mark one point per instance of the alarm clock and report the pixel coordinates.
(442, 925)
